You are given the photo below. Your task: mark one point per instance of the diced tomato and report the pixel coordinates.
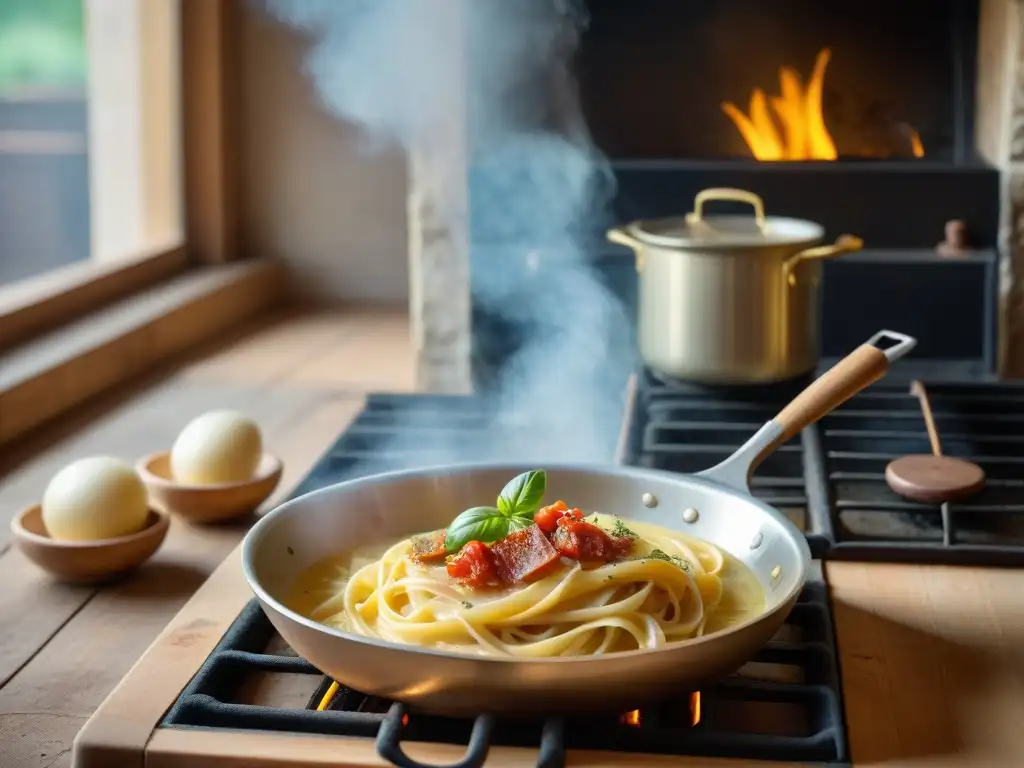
(523, 555)
(429, 547)
(586, 542)
(547, 517)
(473, 565)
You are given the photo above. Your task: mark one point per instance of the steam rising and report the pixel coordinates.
(538, 193)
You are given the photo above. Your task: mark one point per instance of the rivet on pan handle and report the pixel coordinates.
(389, 741)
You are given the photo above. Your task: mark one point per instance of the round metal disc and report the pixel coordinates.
(932, 479)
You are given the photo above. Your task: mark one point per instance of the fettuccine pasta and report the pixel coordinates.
(669, 588)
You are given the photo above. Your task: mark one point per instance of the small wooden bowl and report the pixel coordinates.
(208, 503)
(86, 562)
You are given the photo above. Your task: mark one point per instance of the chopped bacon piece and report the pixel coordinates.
(429, 547)
(473, 565)
(547, 517)
(523, 555)
(586, 542)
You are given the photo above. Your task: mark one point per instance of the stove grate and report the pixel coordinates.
(978, 422)
(784, 705)
(831, 481)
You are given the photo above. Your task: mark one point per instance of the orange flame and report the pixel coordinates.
(405, 719)
(804, 135)
(634, 718)
(915, 144)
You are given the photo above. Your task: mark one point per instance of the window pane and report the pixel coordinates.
(89, 132)
(44, 168)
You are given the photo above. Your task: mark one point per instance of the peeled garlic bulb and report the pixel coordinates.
(217, 447)
(95, 498)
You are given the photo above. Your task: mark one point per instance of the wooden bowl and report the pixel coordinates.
(86, 562)
(208, 503)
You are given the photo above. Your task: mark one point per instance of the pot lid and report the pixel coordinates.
(697, 230)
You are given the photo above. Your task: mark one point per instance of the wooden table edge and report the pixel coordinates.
(116, 734)
(200, 748)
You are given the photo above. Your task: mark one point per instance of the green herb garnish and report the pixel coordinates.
(466, 604)
(622, 531)
(516, 505)
(657, 554)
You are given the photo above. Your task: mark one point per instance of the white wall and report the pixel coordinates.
(311, 193)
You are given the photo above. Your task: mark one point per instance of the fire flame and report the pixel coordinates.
(804, 135)
(634, 718)
(915, 142)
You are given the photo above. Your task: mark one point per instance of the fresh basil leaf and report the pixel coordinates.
(523, 494)
(518, 524)
(484, 524)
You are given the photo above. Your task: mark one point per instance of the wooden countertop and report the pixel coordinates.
(932, 657)
(63, 648)
(932, 663)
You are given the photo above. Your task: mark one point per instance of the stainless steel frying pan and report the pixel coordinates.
(386, 507)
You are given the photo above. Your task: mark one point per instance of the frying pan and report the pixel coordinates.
(387, 507)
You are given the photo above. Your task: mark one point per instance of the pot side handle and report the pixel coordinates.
(858, 370)
(843, 244)
(621, 236)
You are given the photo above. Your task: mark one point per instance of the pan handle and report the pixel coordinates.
(864, 366)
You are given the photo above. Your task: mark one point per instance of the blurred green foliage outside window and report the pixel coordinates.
(42, 45)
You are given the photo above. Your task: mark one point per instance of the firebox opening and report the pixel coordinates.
(791, 80)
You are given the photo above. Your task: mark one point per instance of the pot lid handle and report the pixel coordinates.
(730, 194)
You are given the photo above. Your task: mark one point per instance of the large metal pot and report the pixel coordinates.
(729, 299)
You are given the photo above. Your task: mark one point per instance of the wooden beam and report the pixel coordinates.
(209, 89)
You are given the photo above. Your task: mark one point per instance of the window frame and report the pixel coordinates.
(206, 82)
